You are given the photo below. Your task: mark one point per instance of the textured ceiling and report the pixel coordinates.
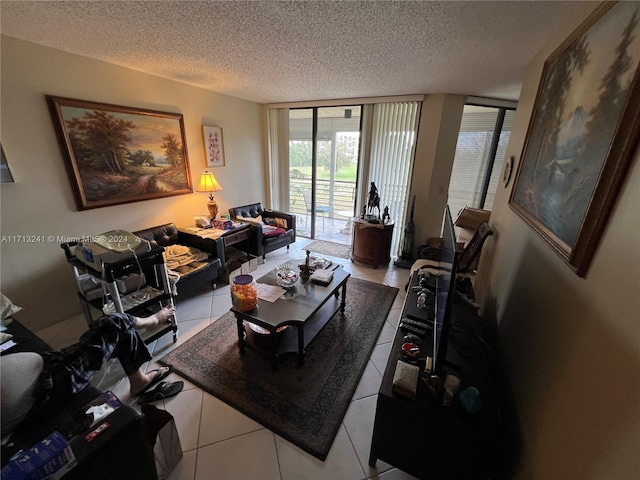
(272, 51)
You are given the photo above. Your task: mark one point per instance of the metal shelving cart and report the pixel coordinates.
(99, 289)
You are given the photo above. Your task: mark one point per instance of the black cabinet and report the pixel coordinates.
(426, 439)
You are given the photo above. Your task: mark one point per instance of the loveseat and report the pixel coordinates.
(123, 450)
(199, 271)
(271, 229)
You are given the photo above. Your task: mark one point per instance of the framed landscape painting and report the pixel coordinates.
(213, 146)
(582, 133)
(116, 154)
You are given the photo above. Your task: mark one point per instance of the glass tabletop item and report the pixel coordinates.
(320, 263)
(286, 276)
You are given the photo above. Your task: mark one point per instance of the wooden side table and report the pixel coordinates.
(371, 242)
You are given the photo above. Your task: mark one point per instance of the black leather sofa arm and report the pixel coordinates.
(168, 234)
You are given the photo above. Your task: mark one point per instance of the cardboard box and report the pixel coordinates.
(238, 263)
(50, 459)
(247, 265)
(468, 221)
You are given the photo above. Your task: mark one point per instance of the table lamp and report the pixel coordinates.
(209, 184)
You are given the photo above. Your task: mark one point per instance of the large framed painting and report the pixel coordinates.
(582, 133)
(118, 154)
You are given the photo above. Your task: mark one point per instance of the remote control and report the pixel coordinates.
(415, 323)
(410, 328)
(428, 319)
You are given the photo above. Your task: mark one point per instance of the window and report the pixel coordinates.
(482, 141)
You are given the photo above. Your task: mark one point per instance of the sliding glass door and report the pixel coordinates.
(324, 146)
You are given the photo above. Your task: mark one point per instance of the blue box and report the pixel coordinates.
(50, 459)
(223, 224)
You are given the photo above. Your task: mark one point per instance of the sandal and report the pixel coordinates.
(162, 391)
(160, 375)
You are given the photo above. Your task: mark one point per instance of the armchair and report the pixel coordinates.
(321, 209)
(271, 229)
(467, 260)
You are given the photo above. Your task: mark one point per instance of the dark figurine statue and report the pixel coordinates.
(373, 203)
(385, 215)
(305, 268)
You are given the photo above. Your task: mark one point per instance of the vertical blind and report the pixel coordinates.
(472, 157)
(393, 139)
(278, 145)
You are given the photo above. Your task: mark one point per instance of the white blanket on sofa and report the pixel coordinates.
(176, 256)
(179, 255)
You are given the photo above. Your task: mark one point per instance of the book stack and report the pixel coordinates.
(405, 379)
(322, 276)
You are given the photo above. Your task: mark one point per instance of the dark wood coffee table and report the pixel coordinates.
(307, 307)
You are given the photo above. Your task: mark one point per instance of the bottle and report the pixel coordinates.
(244, 293)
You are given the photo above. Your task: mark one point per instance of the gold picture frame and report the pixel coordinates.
(582, 133)
(116, 154)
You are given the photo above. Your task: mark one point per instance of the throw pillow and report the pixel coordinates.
(269, 231)
(19, 372)
(276, 222)
(281, 222)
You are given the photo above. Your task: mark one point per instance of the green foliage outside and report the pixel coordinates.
(300, 160)
(346, 174)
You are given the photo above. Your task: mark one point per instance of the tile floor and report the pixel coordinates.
(221, 443)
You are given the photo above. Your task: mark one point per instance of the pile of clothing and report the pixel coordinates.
(182, 260)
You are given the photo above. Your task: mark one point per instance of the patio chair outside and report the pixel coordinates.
(320, 209)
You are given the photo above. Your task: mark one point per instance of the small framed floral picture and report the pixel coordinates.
(213, 146)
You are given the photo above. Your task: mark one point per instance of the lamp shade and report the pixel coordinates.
(208, 183)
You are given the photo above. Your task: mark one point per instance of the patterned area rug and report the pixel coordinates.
(304, 405)
(329, 248)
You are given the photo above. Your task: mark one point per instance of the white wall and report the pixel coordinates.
(572, 344)
(435, 150)
(36, 276)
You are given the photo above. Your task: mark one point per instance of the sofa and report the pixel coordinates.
(123, 450)
(271, 229)
(198, 272)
